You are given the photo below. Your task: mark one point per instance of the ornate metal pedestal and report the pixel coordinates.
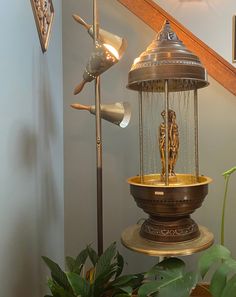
(169, 207)
(131, 239)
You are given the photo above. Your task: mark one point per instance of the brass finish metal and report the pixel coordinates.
(131, 239)
(183, 180)
(166, 164)
(141, 172)
(153, 16)
(169, 207)
(118, 113)
(167, 58)
(108, 50)
(196, 145)
(105, 37)
(43, 14)
(169, 198)
(100, 60)
(99, 148)
(173, 143)
(167, 229)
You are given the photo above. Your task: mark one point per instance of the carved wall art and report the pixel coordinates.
(43, 14)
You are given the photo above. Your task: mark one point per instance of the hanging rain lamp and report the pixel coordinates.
(169, 186)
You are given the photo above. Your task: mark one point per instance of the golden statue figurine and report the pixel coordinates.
(173, 143)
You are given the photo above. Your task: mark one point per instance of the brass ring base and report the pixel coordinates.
(132, 239)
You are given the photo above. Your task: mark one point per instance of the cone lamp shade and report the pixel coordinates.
(118, 113)
(108, 50)
(118, 43)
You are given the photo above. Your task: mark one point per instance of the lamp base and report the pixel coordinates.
(169, 207)
(132, 239)
(169, 230)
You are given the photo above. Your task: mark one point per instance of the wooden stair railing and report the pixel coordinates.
(153, 15)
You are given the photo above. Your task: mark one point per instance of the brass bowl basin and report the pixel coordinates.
(169, 207)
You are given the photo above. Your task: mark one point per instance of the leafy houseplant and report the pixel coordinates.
(103, 279)
(170, 279)
(227, 175)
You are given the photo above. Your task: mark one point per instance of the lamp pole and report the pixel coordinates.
(98, 140)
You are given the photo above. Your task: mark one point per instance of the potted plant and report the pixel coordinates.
(170, 278)
(102, 278)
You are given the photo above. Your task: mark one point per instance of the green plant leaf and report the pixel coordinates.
(102, 282)
(51, 285)
(104, 262)
(230, 289)
(57, 290)
(136, 283)
(167, 268)
(57, 273)
(212, 256)
(120, 264)
(123, 280)
(104, 278)
(226, 175)
(127, 289)
(178, 286)
(80, 260)
(93, 256)
(70, 263)
(122, 295)
(148, 289)
(229, 172)
(219, 279)
(79, 285)
(182, 287)
(172, 280)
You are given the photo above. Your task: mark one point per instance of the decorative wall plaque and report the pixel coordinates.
(43, 14)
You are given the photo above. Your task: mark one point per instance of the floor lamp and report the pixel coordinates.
(108, 50)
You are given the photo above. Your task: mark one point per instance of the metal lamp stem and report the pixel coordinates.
(141, 173)
(196, 134)
(98, 141)
(166, 133)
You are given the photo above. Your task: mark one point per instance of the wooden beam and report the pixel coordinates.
(154, 16)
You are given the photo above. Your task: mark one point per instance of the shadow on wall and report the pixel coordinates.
(47, 200)
(33, 233)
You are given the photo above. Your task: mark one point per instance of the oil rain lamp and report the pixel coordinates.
(169, 187)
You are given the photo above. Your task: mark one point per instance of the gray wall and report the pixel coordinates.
(31, 151)
(217, 137)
